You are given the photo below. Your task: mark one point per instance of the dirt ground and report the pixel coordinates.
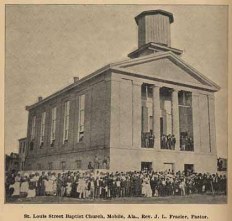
(190, 199)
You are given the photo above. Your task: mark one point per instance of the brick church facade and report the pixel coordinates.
(150, 111)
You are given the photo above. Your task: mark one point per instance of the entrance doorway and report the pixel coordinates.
(188, 168)
(146, 166)
(169, 167)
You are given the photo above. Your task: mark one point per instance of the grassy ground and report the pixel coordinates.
(191, 199)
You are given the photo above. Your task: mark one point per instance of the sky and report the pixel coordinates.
(47, 45)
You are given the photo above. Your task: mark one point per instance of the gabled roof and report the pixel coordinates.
(155, 47)
(201, 81)
(124, 67)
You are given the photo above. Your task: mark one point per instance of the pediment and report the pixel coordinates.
(168, 68)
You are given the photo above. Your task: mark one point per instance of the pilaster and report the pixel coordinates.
(175, 118)
(196, 122)
(212, 127)
(156, 115)
(136, 120)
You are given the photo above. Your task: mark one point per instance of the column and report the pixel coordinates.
(212, 127)
(156, 115)
(175, 118)
(136, 111)
(196, 122)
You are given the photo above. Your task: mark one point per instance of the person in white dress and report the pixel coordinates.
(68, 187)
(81, 187)
(24, 185)
(54, 185)
(16, 186)
(182, 187)
(146, 187)
(48, 182)
(32, 186)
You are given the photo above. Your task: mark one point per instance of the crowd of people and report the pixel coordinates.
(99, 163)
(168, 141)
(95, 184)
(186, 142)
(148, 139)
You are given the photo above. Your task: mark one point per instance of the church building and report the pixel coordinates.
(151, 111)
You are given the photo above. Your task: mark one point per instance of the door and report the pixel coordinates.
(188, 168)
(169, 167)
(146, 166)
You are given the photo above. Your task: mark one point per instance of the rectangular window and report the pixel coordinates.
(78, 163)
(144, 119)
(20, 147)
(167, 114)
(146, 91)
(66, 120)
(147, 166)
(33, 127)
(29, 167)
(147, 122)
(39, 167)
(186, 121)
(42, 130)
(185, 98)
(24, 147)
(63, 165)
(50, 166)
(53, 126)
(81, 126)
(188, 169)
